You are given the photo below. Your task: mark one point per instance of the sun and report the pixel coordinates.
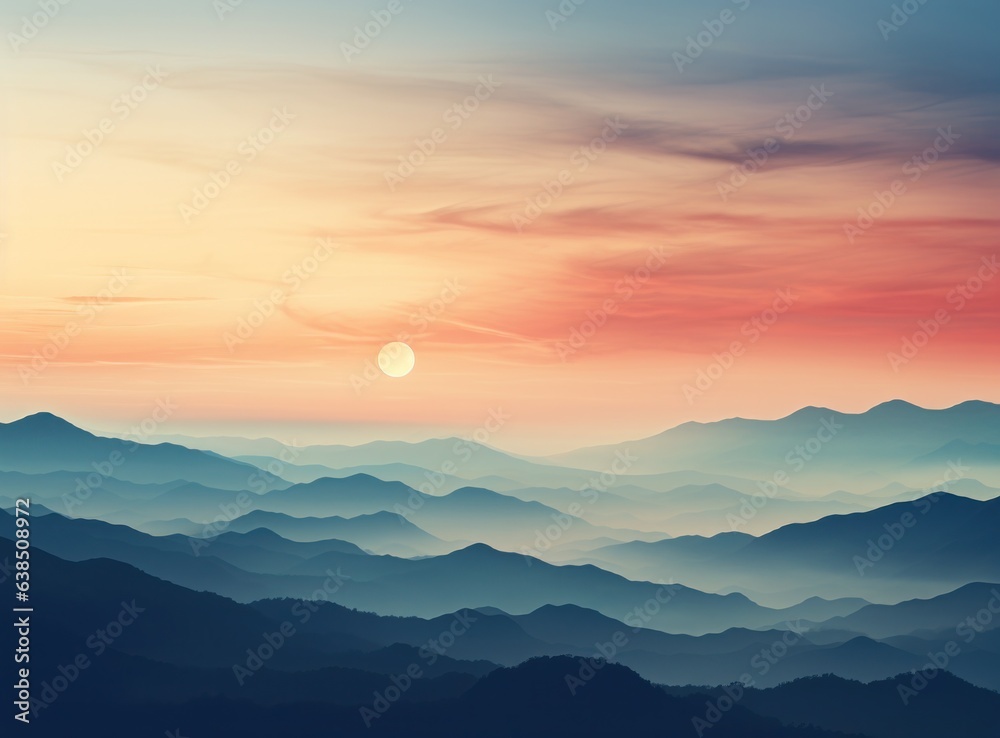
(396, 359)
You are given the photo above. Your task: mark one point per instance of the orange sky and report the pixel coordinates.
(488, 302)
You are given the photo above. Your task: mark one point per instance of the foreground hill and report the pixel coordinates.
(946, 706)
(173, 663)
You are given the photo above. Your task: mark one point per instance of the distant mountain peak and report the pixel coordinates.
(477, 550)
(812, 411)
(895, 406)
(473, 492)
(975, 405)
(44, 421)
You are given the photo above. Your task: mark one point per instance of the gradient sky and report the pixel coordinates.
(402, 253)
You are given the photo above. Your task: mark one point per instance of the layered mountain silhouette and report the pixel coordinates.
(514, 595)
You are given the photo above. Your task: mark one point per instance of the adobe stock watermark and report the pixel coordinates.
(901, 14)
(225, 7)
(271, 643)
(248, 150)
(367, 32)
(421, 318)
(429, 654)
(258, 482)
(261, 480)
(580, 161)
(453, 119)
(462, 452)
(878, 548)
(624, 290)
(957, 299)
(121, 110)
(265, 308)
(562, 12)
(96, 645)
(786, 127)
(605, 652)
(761, 664)
(700, 42)
(753, 330)
(967, 631)
(34, 24)
(797, 458)
(106, 468)
(371, 373)
(913, 170)
(60, 340)
(590, 494)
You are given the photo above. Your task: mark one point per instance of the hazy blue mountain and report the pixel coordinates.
(189, 500)
(44, 443)
(509, 523)
(68, 492)
(82, 539)
(899, 492)
(978, 662)
(744, 516)
(381, 532)
(189, 563)
(360, 494)
(685, 510)
(934, 543)
(640, 486)
(976, 455)
(948, 610)
(430, 481)
(499, 520)
(264, 539)
(468, 458)
(472, 577)
(607, 508)
(350, 497)
(295, 473)
(479, 575)
(862, 659)
(666, 658)
(711, 659)
(894, 552)
(450, 459)
(488, 638)
(864, 448)
(232, 446)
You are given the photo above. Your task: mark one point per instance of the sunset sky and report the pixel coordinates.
(585, 315)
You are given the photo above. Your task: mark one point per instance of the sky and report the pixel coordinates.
(601, 220)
